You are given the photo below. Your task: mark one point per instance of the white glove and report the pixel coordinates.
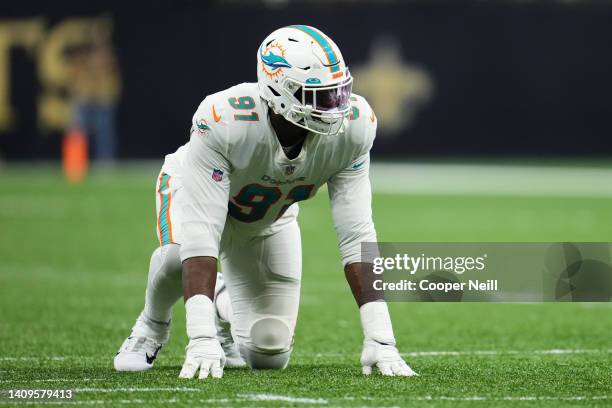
(385, 357)
(204, 352)
(206, 355)
(379, 344)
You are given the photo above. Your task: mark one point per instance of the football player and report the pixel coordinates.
(231, 193)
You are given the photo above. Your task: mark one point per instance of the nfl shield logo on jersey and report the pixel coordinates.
(217, 175)
(289, 169)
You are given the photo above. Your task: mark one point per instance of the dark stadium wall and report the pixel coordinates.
(454, 79)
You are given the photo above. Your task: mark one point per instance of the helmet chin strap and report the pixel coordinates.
(320, 128)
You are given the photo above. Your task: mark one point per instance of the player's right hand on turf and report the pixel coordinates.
(384, 356)
(206, 355)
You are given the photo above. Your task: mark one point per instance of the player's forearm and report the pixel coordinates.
(373, 310)
(199, 277)
(360, 278)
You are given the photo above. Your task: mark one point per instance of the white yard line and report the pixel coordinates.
(138, 389)
(433, 353)
(53, 358)
(478, 353)
(93, 402)
(321, 401)
(503, 352)
(54, 380)
(490, 398)
(491, 180)
(285, 398)
(511, 398)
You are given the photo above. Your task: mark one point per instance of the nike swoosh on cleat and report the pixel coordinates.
(216, 117)
(152, 358)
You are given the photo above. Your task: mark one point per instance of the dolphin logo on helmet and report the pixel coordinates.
(275, 61)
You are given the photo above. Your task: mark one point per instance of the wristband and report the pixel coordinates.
(200, 316)
(376, 322)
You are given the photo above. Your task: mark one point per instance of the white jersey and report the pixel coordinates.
(234, 170)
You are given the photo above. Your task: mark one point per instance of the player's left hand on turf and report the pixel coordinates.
(206, 355)
(385, 357)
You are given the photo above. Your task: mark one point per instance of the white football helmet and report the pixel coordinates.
(302, 76)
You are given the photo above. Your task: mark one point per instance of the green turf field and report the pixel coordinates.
(72, 277)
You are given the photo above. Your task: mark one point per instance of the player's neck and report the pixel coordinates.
(287, 133)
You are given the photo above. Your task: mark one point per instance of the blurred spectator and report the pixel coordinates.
(95, 88)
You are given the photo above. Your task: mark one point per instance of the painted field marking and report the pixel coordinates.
(138, 389)
(54, 380)
(491, 398)
(53, 358)
(321, 401)
(503, 352)
(491, 180)
(93, 402)
(432, 353)
(285, 398)
(453, 353)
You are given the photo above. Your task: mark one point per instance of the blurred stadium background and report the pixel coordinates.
(494, 125)
(446, 78)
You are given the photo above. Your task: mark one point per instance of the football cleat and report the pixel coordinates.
(224, 335)
(137, 353)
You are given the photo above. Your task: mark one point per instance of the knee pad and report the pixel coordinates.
(270, 335)
(269, 345)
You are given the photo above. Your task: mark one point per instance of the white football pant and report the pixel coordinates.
(262, 275)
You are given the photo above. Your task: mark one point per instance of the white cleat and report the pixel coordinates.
(224, 335)
(137, 353)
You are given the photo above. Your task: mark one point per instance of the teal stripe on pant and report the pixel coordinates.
(164, 228)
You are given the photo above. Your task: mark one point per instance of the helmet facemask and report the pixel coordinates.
(320, 109)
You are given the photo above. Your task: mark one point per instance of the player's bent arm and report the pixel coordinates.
(203, 353)
(351, 200)
(205, 211)
(350, 196)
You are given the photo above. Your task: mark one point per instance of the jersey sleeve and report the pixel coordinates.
(350, 195)
(206, 184)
